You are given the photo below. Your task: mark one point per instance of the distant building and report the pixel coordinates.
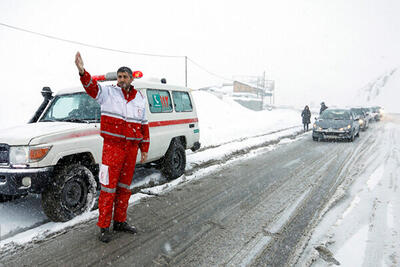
(245, 93)
(249, 96)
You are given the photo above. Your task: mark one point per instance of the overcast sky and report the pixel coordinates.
(314, 50)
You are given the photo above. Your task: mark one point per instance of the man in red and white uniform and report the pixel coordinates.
(124, 128)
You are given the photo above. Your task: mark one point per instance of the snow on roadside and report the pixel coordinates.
(226, 120)
(362, 228)
(49, 228)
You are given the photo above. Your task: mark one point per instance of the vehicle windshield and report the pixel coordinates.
(335, 115)
(78, 107)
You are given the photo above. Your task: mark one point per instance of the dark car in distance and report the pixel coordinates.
(362, 117)
(376, 113)
(336, 124)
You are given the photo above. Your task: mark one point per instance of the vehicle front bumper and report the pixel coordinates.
(11, 180)
(331, 134)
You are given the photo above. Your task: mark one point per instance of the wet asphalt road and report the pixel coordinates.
(254, 211)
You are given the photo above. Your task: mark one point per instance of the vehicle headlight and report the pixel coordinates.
(348, 126)
(19, 155)
(316, 127)
(360, 121)
(26, 154)
(341, 129)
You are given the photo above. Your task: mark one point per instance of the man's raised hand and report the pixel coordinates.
(79, 63)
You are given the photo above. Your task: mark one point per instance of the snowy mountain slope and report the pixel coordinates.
(384, 91)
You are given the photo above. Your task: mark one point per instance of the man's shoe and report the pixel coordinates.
(105, 235)
(124, 227)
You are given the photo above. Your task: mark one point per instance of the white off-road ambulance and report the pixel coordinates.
(57, 154)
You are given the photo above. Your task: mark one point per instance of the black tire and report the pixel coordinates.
(351, 139)
(174, 161)
(315, 138)
(358, 133)
(5, 198)
(72, 192)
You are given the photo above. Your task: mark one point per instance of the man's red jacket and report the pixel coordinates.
(123, 115)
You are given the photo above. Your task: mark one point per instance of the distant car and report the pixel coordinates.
(368, 113)
(362, 117)
(336, 124)
(377, 113)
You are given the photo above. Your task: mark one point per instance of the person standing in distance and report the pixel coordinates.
(124, 128)
(306, 115)
(323, 107)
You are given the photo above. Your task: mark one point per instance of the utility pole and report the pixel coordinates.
(263, 93)
(185, 71)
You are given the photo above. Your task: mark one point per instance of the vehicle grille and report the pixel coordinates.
(328, 133)
(4, 154)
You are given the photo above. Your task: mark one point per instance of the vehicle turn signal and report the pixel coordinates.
(36, 154)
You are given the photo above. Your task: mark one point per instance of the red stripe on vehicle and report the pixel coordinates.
(173, 122)
(76, 135)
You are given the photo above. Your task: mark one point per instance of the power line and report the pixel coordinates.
(112, 49)
(88, 45)
(209, 72)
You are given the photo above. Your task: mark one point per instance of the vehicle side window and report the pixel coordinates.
(182, 101)
(159, 101)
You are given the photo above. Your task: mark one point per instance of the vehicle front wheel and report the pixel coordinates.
(174, 162)
(5, 198)
(72, 192)
(351, 139)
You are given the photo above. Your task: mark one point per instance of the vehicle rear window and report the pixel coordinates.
(159, 101)
(182, 101)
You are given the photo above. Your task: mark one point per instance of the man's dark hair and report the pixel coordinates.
(125, 69)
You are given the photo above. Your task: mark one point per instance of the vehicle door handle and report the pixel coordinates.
(191, 125)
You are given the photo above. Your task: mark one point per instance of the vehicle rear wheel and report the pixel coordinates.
(72, 193)
(174, 162)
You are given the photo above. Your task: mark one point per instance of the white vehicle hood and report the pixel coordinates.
(44, 132)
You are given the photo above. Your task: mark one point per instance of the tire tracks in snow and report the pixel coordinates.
(212, 162)
(373, 154)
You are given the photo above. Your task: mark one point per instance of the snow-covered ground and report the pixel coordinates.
(361, 230)
(225, 127)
